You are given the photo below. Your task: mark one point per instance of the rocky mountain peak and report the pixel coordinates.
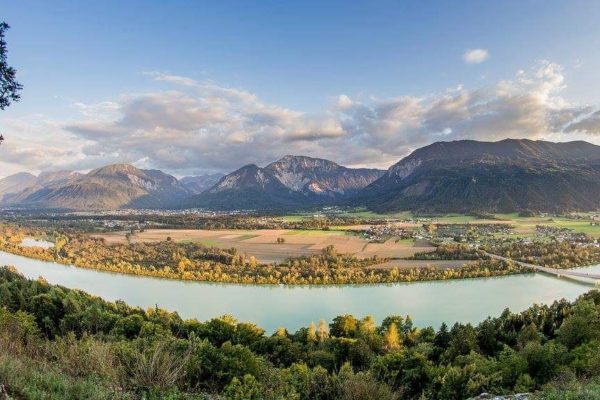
(116, 169)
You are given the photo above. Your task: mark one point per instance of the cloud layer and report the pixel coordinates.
(476, 56)
(199, 127)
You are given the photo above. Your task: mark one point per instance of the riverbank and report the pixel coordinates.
(197, 261)
(468, 300)
(323, 269)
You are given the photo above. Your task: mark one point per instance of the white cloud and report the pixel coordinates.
(476, 56)
(199, 127)
(343, 101)
(176, 79)
(589, 124)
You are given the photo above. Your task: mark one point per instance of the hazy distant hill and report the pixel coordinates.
(509, 175)
(16, 183)
(291, 182)
(200, 183)
(110, 187)
(43, 180)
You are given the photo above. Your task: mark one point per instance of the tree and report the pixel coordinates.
(9, 87)
(529, 333)
(281, 332)
(391, 338)
(431, 228)
(464, 340)
(322, 331)
(363, 386)
(442, 338)
(581, 326)
(366, 326)
(311, 333)
(392, 319)
(247, 389)
(343, 326)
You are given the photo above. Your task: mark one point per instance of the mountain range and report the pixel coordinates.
(110, 187)
(291, 182)
(458, 176)
(199, 183)
(504, 176)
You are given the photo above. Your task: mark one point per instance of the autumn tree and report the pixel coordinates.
(322, 331)
(311, 333)
(391, 338)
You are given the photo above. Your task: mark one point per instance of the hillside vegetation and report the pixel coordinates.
(505, 176)
(64, 344)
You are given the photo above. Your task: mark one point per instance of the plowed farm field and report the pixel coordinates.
(263, 245)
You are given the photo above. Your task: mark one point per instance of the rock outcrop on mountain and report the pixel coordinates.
(291, 182)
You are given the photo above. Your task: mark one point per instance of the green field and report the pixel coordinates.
(409, 241)
(203, 242)
(454, 219)
(579, 226)
(247, 236)
(526, 225)
(366, 214)
(521, 226)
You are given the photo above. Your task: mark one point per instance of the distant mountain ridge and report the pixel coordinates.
(458, 176)
(110, 187)
(291, 182)
(200, 183)
(14, 184)
(508, 175)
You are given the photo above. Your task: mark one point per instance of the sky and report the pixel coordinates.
(193, 87)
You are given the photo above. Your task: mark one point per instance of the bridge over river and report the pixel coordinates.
(552, 271)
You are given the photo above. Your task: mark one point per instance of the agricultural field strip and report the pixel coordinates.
(263, 245)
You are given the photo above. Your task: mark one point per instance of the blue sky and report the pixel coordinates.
(93, 70)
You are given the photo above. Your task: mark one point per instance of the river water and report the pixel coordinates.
(428, 303)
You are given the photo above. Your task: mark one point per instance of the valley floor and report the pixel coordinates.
(262, 244)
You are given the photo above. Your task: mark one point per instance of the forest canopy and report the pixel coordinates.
(67, 344)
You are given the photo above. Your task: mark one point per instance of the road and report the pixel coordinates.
(552, 271)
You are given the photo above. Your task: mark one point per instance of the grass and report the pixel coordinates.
(523, 226)
(582, 226)
(455, 219)
(507, 216)
(28, 379)
(366, 214)
(526, 225)
(571, 389)
(247, 236)
(203, 242)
